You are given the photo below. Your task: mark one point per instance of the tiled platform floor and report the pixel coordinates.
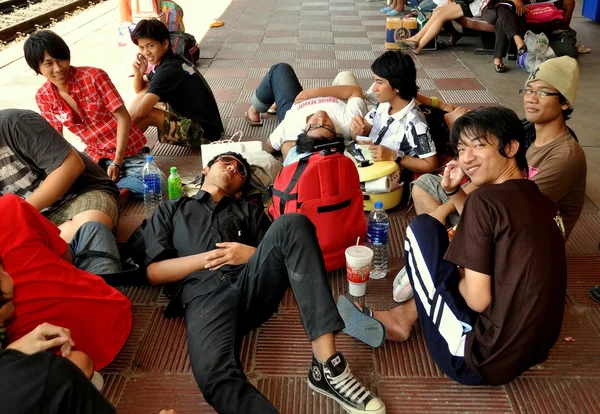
(321, 38)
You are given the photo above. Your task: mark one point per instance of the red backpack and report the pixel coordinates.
(324, 187)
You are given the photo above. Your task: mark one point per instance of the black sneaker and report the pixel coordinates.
(335, 380)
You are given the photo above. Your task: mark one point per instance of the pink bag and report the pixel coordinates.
(542, 13)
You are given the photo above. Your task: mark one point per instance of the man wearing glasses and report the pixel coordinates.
(556, 160)
(307, 117)
(229, 268)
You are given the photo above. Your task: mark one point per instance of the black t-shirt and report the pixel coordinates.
(188, 226)
(177, 82)
(30, 150)
(46, 383)
(512, 232)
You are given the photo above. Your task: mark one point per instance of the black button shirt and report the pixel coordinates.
(188, 226)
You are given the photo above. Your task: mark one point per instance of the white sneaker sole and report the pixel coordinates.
(346, 407)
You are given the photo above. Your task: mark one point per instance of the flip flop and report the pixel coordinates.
(408, 44)
(251, 122)
(361, 324)
(217, 23)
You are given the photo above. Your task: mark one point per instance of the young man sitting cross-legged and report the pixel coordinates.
(232, 267)
(491, 302)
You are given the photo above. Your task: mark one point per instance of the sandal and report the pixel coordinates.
(251, 122)
(500, 68)
(454, 38)
(408, 44)
(582, 49)
(361, 324)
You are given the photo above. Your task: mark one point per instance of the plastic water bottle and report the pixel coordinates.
(152, 192)
(377, 240)
(174, 185)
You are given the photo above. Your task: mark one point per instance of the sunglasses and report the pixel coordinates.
(317, 126)
(239, 166)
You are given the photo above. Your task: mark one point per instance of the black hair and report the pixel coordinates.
(246, 185)
(307, 143)
(563, 101)
(399, 70)
(45, 41)
(150, 29)
(497, 121)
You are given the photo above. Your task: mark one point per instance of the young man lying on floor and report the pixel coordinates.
(232, 267)
(491, 302)
(44, 279)
(321, 114)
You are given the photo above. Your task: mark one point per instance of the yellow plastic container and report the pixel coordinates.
(373, 172)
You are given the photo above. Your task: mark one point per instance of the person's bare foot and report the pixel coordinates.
(253, 114)
(398, 322)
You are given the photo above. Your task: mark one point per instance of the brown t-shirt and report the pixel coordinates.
(510, 231)
(559, 169)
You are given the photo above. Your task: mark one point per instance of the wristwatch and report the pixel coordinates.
(400, 156)
(116, 165)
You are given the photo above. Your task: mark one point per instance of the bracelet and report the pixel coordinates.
(452, 192)
(434, 101)
(116, 165)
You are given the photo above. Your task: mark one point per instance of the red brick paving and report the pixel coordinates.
(153, 371)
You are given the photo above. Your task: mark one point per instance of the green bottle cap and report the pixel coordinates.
(173, 170)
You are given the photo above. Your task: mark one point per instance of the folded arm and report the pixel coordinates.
(174, 270)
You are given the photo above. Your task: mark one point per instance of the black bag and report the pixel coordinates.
(440, 133)
(564, 43)
(185, 45)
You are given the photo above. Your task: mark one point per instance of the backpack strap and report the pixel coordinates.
(285, 195)
(383, 130)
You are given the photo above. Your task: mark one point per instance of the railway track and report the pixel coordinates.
(22, 17)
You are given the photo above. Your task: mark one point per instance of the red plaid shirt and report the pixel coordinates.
(96, 98)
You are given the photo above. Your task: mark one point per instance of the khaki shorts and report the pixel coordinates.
(432, 185)
(92, 200)
(181, 131)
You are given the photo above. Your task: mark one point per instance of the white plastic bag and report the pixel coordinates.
(538, 51)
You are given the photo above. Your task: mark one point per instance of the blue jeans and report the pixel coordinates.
(131, 175)
(96, 237)
(427, 6)
(279, 86)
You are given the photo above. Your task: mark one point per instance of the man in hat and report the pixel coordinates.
(556, 160)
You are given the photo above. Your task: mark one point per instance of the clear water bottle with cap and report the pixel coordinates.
(377, 240)
(152, 188)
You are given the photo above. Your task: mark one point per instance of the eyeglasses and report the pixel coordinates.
(239, 166)
(317, 126)
(540, 94)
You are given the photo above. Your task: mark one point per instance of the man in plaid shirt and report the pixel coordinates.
(85, 101)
